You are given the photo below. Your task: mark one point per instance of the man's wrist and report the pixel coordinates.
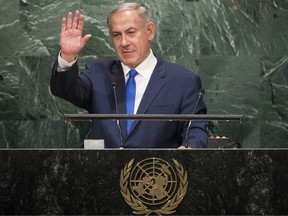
(64, 65)
(68, 58)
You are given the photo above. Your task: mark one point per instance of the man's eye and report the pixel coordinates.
(116, 35)
(131, 33)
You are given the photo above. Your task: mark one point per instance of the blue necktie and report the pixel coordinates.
(130, 96)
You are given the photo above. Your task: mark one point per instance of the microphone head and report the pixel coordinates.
(113, 84)
(202, 91)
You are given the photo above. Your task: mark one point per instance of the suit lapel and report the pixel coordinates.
(156, 83)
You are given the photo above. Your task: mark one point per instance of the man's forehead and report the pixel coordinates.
(125, 16)
(124, 23)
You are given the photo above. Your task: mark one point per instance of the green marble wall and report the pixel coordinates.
(238, 47)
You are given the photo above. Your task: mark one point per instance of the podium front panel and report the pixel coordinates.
(113, 182)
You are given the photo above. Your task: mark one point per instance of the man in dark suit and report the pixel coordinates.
(157, 86)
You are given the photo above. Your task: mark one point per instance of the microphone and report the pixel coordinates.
(200, 95)
(117, 120)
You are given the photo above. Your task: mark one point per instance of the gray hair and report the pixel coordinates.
(141, 11)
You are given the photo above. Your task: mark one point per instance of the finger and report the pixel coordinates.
(63, 25)
(81, 23)
(85, 39)
(76, 19)
(69, 20)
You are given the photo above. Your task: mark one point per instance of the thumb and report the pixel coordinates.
(85, 39)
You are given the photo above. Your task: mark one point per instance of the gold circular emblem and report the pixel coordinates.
(153, 186)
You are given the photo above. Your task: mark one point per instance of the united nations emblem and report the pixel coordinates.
(153, 186)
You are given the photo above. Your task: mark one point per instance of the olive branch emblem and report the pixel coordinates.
(138, 207)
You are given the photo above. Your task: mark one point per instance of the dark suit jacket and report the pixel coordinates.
(172, 89)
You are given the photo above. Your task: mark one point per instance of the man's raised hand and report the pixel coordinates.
(71, 40)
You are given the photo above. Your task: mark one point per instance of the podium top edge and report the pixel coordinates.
(151, 117)
(146, 149)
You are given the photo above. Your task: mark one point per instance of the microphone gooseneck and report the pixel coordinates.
(200, 95)
(117, 112)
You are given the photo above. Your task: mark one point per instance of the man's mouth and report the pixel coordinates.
(127, 53)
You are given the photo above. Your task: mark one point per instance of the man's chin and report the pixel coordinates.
(130, 63)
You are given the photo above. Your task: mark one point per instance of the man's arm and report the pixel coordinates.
(64, 81)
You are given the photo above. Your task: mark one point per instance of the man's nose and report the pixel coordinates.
(124, 41)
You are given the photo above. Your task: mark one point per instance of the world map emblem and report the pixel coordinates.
(153, 186)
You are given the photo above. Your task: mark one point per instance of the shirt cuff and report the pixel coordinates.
(64, 65)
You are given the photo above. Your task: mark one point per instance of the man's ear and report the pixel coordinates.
(151, 30)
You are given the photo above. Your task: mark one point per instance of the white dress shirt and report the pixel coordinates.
(145, 70)
(64, 65)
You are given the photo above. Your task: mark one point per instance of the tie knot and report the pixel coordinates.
(132, 73)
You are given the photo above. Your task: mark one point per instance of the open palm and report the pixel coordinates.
(71, 40)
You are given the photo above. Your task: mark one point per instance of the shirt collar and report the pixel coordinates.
(145, 69)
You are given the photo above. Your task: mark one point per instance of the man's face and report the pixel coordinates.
(130, 37)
